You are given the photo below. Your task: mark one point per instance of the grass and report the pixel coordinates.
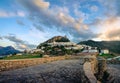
(107, 55)
(24, 56)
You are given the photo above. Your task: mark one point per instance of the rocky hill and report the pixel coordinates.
(113, 46)
(58, 39)
(55, 39)
(7, 50)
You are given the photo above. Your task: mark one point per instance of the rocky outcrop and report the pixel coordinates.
(58, 39)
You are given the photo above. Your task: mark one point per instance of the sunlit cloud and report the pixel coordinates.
(110, 29)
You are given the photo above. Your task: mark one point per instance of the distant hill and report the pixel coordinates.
(113, 46)
(55, 39)
(8, 50)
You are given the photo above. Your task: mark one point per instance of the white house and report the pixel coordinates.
(90, 49)
(36, 50)
(19, 54)
(105, 51)
(61, 43)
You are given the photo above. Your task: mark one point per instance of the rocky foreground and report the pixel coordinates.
(114, 73)
(65, 71)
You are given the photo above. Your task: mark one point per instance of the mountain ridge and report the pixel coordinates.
(8, 50)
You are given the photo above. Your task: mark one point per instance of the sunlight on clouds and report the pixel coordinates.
(22, 46)
(41, 3)
(111, 29)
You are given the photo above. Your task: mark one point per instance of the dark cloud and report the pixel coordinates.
(20, 44)
(38, 26)
(114, 34)
(118, 7)
(42, 14)
(14, 39)
(20, 22)
(111, 7)
(0, 37)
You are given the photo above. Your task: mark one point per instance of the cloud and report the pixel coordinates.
(94, 8)
(111, 7)
(110, 29)
(20, 22)
(19, 44)
(41, 4)
(41, 13)
(11, 14)
(0, 38)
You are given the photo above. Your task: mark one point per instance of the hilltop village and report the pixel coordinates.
(60, 45)
(56, 46)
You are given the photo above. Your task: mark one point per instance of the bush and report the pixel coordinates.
(45, 56)
(41, 55)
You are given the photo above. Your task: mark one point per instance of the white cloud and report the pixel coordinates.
(11, 14)
(94, 8)
(21, 13)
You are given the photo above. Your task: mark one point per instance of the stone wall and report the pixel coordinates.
(14, 64)
(94, 68)
(90, 67)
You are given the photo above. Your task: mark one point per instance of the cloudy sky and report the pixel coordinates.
(26, 23)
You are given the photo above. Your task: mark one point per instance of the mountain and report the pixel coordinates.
(7, 50)
(55, 39)
(113, 46)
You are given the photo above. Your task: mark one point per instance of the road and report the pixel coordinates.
(65, 71)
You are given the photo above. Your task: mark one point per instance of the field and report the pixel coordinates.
(107, 55)
(24, 56)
